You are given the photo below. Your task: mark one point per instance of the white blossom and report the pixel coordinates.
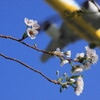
(63, 62)
(32, 23)
(91, 54)
(72, 80)
(79, 55)
(29, 22)
(31, 33)
(80, 85)
(68, 53)
(35, 25)
(32, 30)
(58, 52)
(87, 66)
(77, 70)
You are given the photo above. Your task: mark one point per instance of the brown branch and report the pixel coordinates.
(18, 40)
(33, 47)
(53, 81)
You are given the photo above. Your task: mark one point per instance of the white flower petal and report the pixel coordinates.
(68, 53)
(78, 91)
(32, 23)
(25, 20)
(33, 37)
(36, 26)
(35, 31)
(77, 70)
(28, 22)
(31, 33)
(63, 62)
(87, 66)
(57, 52)
(79, 55)
(58, 49)
(72, 80)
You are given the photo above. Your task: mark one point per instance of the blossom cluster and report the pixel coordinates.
(66, 54)
(90, 57)
(75, 81)
(80, 85)
(32, 27)
(85, 60)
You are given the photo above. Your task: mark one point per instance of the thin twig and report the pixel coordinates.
(53, 81)
(18, 40)
(33, 47)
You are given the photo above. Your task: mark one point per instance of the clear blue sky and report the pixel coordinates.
(20, 83)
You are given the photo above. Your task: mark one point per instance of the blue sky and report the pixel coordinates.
(20, 83)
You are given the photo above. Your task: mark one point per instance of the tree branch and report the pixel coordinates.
(53, 81)
(18, 40)
(33, 47)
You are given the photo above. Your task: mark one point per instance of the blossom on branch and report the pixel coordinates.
(72, 80)
(86, 66)
(91, 55)
(80, 85)
(33, 27)
(79, 56)
(31, 33)
(32, 23)
(77, 69)
(68, 53)
(29, 22)
(63, 61)
(60, 54)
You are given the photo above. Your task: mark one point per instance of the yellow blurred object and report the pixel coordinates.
(76, 23)
(98, 33)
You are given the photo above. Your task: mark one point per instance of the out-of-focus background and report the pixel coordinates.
(20, 83)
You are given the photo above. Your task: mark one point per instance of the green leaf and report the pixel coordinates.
(67, 78)
(73, 69)
(24, 35)
(60, 89)
(76, 76)
(71, 63)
